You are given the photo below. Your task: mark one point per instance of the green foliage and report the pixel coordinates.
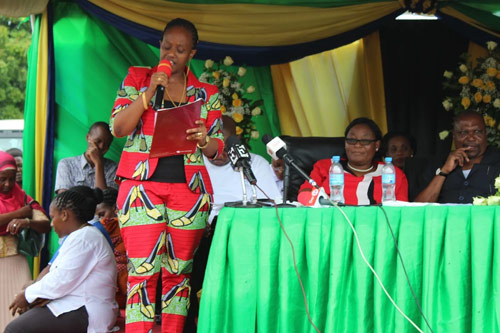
(15, 39)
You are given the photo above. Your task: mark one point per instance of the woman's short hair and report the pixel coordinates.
(180, 22)
(365, 121)
(81, 200)
(395, 134)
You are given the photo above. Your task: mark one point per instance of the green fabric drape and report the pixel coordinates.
(29, 119)
(451, 254)
(29, 114)
(485, 12)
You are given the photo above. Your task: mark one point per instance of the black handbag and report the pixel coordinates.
(30, 242)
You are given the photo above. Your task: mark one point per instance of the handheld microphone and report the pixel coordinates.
(240, 158)
(164, 66)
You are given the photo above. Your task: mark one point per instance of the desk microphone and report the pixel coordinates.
(164, 66)
(240, 158)
(276, 148)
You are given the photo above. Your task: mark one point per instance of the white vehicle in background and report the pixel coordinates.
(11, 134)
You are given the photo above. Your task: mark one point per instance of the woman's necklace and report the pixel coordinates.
(183, 93)
(358, 170)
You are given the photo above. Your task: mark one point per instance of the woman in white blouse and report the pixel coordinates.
(78, 292)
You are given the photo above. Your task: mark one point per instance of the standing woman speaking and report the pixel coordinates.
(163, 203)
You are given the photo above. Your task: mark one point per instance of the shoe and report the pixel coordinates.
(172, 261)
(143, 145)
(125, 214)
(151, 209)
(188, 218)
(141, 170)
(147, 265)
(146, 307)
(168, 297)
(197, 182)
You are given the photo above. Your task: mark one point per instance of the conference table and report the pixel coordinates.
(451, 255)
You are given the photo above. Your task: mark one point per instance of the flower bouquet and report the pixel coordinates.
(236, 99)
(492, 200)
(477, 89)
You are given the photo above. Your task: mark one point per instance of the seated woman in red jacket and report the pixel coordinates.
(362, 167)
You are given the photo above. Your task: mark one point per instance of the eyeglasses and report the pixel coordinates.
(463, 134)
(363, 142)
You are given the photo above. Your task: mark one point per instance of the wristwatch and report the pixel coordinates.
(441, 173)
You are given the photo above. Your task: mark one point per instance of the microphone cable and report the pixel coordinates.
(372, 269)
(404, 268)
(294, 260)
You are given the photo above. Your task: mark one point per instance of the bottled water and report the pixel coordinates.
(388, 181)
(336, 180)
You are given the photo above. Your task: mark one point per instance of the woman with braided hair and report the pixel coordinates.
(78, 293)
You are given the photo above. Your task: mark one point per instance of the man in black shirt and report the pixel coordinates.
(469, 171)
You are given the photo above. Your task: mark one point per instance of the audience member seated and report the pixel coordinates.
(278, 167)
(402, 148)
(470, 170)
(106, 212)
(362, 168)
(226, 182)
(78, 293)
(17, 212)
(90, 169)
(18, 156)
(399, 146)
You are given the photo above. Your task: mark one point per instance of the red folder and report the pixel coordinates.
(169, 137)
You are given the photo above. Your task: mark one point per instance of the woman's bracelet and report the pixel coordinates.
(28, 220)
(206, 143)
(144, 102)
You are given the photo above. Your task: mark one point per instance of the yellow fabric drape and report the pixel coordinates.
(41, 116)
(320, 94)
(256, 25)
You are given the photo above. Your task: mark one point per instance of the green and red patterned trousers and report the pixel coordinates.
(161, 226)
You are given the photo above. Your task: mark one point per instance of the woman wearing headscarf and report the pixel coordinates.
(17, 212)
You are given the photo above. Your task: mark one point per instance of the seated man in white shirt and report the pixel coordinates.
(227, 183)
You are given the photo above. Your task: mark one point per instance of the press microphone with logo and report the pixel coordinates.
(240, 158)
(276, 148)
(164, 66)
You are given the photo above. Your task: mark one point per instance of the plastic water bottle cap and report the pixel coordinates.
(335, 158)
(388, 160)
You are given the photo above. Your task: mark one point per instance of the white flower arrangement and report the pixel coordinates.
(235, 98)
(492, 200)
(477, 89)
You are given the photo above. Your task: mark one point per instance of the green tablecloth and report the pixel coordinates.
(451, 253)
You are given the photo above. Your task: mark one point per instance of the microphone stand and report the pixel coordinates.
(286, 185)
(244, 202)
(254, 194)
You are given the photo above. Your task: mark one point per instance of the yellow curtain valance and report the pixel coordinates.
(252, 25)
